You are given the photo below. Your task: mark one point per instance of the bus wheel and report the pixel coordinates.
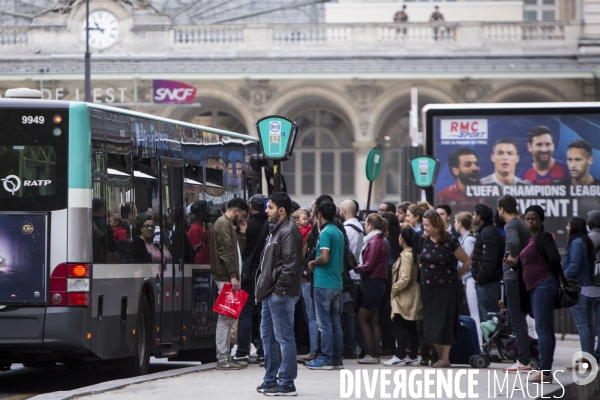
(140, 363)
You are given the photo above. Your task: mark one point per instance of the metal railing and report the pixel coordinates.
(418, 32)
(364, 39)
(377, 34)
(547, 31)
(207, 35)
(311, 34)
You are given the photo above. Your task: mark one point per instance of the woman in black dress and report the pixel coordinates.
(441, 285)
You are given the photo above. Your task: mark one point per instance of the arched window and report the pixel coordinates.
(323, 159)
(221, 120)
(393, 136)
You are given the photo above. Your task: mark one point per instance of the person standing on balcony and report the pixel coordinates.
(436, 16)
(401, 17)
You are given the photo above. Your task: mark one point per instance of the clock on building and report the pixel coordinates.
(104, 29)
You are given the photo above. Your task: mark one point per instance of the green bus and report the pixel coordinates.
(79, 181)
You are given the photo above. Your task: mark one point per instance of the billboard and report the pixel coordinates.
(22, 258)
(549, 160)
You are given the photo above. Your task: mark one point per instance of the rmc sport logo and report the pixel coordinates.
(12, 183)
(464, 129)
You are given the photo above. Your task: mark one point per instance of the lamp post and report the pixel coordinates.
(88, 84)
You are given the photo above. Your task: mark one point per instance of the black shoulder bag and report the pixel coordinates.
(248, 261)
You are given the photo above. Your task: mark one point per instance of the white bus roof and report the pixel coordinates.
(172, 121)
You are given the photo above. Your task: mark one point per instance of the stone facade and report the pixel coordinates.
(348, 84)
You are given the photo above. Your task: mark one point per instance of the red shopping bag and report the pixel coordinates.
(230, 303)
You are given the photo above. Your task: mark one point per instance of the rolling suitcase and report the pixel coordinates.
(468, 343)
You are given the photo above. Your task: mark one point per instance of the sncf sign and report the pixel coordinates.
(173, 92)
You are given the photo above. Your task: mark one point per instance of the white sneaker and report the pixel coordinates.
(409, 360)
(368, 360)
(517, 367)
(394, 361)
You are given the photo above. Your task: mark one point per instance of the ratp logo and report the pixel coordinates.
(464, 129)
(11, 183)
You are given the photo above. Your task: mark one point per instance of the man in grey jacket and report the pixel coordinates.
(225, 249)
(278, 286)
(517, 236)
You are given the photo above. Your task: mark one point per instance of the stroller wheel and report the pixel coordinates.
(534, 363)
(479, 361)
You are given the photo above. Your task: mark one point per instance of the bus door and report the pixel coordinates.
(172, 237)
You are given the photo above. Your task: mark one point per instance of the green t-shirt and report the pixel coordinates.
(329, 275)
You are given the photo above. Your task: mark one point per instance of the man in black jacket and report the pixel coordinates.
(487, 262)
(278, 286)
(256, 236)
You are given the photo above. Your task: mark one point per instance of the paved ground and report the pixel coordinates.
(209, 383)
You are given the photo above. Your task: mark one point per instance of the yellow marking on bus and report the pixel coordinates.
(89, 335)
(133, 331)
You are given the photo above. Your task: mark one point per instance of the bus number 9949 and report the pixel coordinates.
(32, 120)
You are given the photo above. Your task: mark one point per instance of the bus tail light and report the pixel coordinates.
(70, 285)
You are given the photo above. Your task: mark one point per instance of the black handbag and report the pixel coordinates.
(568, 292)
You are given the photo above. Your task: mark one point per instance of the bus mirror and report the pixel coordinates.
(258, 161)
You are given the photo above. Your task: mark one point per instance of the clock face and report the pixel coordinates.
(104, 29)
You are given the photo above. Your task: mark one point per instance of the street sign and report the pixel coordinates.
(424, 170)
(374, 163)
(276, 135)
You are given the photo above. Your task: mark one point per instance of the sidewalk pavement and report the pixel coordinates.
(207, 382)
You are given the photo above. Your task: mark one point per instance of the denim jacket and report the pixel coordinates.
(576, 263)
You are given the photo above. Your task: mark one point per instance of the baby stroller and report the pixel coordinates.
(502, 345)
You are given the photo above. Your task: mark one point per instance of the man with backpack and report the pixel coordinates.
(487, 262)
(356, 235)
(349, 263)
(327, 269)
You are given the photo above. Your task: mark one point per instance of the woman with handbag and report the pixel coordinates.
(441, 287)
(577, 265)
(541, 268)
(406, 300)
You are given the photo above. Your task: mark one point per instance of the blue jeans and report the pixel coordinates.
(328, 308)
(543, 299)
(245, 319)
(309, 308)
(583, 313)
(517, 319)
(488, 296)
(277, 332)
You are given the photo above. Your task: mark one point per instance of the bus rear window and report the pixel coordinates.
(34, 154)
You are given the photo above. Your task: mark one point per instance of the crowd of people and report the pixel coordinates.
(327, 285)
(334, 287)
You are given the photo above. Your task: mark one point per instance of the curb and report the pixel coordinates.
(120, 383)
